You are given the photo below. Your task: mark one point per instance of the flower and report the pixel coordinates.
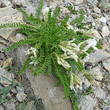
(74, 79)
(63, 62)
(31, 51)
(70, 49)
(87, 44)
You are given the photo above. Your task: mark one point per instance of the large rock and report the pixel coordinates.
(9, 15)
(53, 97)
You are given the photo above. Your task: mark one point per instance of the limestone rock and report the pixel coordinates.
(6, 2)
(97, 73)
(93, 2)
(99, 93)
(97, 10)
(87, 103)
(10, 106)
(21, 96)
(4, 75)
(103, 19)
(105, 31)
(9, 15)
(21, 2)
(106, 64)
(52, 97)
(77, 2)
(97, 56)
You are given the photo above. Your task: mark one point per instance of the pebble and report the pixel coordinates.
(97, 10)
(93, 2)
(97, 56)
(87, 103)
(103, 19)
(4, 75)
(105, 31)
(21, 96)
(96, 35)
(77, 2)
(99, 93)
(1, 108)
(10, 106)
(106, 64)
(106, 108)
(97, 73)
(19, 89)
(7, 3)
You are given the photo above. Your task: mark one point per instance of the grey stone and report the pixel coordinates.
(7, 2)
(1, 108)
(99, 93)
(87, 103)
(4, 75)
(103, 19)
(93, 2)
(97, 10)
(10, 106)
(97, 73)
(106, 64)
(21, 2)
(77, 2)
(97, 56)
(19, 89)
(53, 97)
(31, 9)
(106, 108)
(21, 96)
(9, 15)
(105, 31)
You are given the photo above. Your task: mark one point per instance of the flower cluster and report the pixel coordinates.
(71, 51)
(33, 52)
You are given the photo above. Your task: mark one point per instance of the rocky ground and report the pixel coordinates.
(22, 88)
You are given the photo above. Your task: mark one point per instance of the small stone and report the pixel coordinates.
(97, 56)
(4, 75)
(21, 96)
(87, 103)
(6, 2)
(10, 106)
(93, 2)
(31, 9)
(77, 2)
(1, 108)
(19, 89)
(96, 34)
(99, 93)
(97, 73)
(21, 2)
(14, 90)
(103, 19)
(106, 108)
(105, 31)
(17, 38)
(97, 10)
(106, 64)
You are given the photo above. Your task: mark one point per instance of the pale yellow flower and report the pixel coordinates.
(63, 62)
